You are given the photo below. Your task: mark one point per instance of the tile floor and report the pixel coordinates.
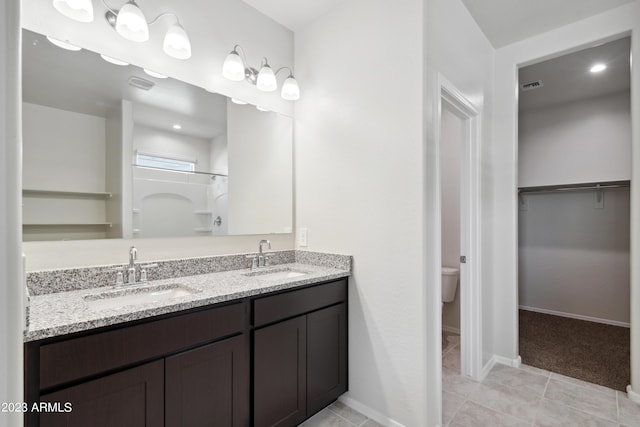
(508, 397)
(527, 397)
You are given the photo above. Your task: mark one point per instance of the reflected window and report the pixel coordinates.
(155, 161)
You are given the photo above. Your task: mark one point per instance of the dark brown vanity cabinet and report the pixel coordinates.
(188, 369)
(272, 360)
(300, 362)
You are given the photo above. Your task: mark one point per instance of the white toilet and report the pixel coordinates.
(450, 277)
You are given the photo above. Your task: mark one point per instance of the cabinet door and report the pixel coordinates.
(209, 386)
(326, 357)
(280, 374)
(132, 398)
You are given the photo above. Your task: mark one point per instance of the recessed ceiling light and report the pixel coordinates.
(238, 101)
(114, 60)
(177, 127)
(63, 44)
(155, 74)
(598, 68)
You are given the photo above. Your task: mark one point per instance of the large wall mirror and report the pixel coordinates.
(113, 152)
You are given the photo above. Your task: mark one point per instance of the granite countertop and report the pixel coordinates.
(61, 313)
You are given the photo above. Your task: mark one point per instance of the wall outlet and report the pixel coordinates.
(302, 237)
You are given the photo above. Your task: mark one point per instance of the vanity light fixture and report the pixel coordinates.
(596, 68)
(78, 10)
(238, 101)
(259, 108)
(234, 68)
(114, 60)
(131, 24)
(64, 44)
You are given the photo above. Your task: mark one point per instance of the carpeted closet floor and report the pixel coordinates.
(588, 351)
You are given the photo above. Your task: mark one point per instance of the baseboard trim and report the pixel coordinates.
(451, 329)
(368, 412)
(575, 316)
(487, 368)
(514, 363)
(632, 395)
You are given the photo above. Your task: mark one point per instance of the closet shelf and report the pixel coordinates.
(67, 224)
(575, 187)
(66, 194)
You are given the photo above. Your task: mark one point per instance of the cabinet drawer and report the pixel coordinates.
(292, 303)
(77, 358)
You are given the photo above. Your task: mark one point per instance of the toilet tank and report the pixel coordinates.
(450, 277)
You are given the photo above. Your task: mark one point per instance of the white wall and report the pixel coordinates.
(62, 150)
(504, 173)
(573, 257)
(11, 283)
(260, 170)
(113, 178)
(582, 141)
(451, 138)
(359, 149)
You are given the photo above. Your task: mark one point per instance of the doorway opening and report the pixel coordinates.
(458, 140)
(574, 171)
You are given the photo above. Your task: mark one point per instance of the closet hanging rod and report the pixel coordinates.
(574, 187)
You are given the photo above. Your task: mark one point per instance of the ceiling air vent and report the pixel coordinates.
(140, 83)
(531, 85)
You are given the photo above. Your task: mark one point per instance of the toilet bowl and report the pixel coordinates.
(450, 277)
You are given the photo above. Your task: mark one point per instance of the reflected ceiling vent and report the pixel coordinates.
(531, 85)
(140, 83)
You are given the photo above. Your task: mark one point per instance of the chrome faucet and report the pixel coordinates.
(263, 242)
(131, 271)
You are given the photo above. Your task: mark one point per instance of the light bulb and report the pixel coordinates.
(78, 10)
(131, 23)
(233, 67)
(176, 43)
(290, 89)
(266, 79)
(598, 68)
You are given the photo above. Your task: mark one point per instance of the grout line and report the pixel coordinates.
(617, 406)
(546, 386)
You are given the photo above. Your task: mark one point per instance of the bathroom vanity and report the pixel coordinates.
(271, 352)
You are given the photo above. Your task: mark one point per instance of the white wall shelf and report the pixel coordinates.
(64, 194)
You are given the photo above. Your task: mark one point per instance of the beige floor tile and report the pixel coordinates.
(473, 415)
(629, 412)
(519, 378)
(451, 359)
(535, 370)
(454, 383)
(517, 402)
(451, 402)
(553, 414)
(347, 413)
(593, 387)
(577, 396)
(371, 423)
(326, 418)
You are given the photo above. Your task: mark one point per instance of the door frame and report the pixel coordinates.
(470, 285)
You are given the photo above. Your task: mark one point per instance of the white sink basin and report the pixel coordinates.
(277, 273)
(120, 298)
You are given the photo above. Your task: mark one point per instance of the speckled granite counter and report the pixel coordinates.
(60, 313)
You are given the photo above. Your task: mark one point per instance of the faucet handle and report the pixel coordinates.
(119, 278)
(253, 261)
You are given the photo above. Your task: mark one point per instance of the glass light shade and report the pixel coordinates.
(597, 68)
(176, 43)
(113, 60)
(233, 67)
(290, 89)
(78, 10)
(154, 74)
(259, 108)
(266, 79)
(63, 44)
(131, 23)
(238, 101)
